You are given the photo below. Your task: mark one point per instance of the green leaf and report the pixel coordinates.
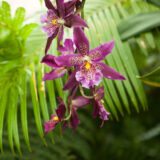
(14, 118)
(19, 17)
(5, 12)
(3, 103)
(152, 78)
(156, 2)
(23, 108)
(26, 30)
(138, 24)
(35, 101)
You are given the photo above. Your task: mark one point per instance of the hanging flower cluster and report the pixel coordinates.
(83, 66)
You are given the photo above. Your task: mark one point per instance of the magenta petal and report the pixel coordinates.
(60, 34)
(49, 5)
(75, 21)
(49, 40)
(60, 7)
(44, 18)
(55, 73)
(69, 60)
(71, 81)
(81, 41)
(67, 48)
(109, 72)
(61, 110)
(100, 52)
(95, 109)
(80, 102)
(49, 60)
(69, 7)
(74, 121)
(100, 93)
(50, 125)
(64, 126)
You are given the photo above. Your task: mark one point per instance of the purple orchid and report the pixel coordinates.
(56, 19)
(55, 119)
(76, 103)
(99, 107)
(89, 69)
(58, 71)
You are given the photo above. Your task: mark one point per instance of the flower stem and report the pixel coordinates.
(83, 94)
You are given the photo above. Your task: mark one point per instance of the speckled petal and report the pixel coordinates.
(81, 41)
(55, 73)
(69, 60)
(109, 72)
(100, 52)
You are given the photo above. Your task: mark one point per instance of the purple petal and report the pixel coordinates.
(109, 72)
(61, 110)
(49, 60)
(60, 34)
(100, 52)
(80, 102)
(69, 7)
(81, 41)
(51, 124)
(60, 7)
(55, 73)
(75, 21)
(44, 18)
(64, 126)
(69, 60)
(67, 48)
(100, 93)
(99, 109)
(78, 4)
(49, 5)
(74, 121)
(49, 40)
(95, 109)
(71, 81)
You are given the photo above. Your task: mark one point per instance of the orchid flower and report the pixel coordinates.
(89, 69)
(56, 19)
(55, 119)
(99, 107)
(58, 71)
(76, 103)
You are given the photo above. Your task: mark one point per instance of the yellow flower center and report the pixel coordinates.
(54, 21)
(87, 65)
(55, 118)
